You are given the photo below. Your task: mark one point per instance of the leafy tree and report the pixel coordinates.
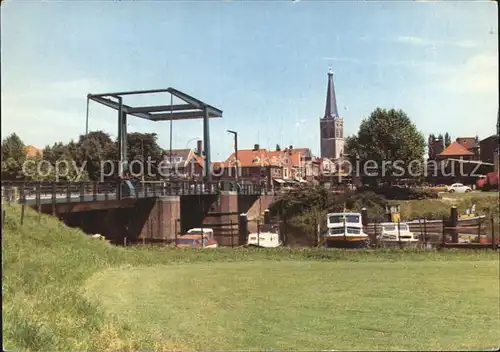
(144, 148)
(97, 152)
(430, 145)
(387, 137)
(38, 169)
(55, 152)
(13, 157)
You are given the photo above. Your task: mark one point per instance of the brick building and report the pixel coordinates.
(274, 169)
(487, 148)
(183, 164)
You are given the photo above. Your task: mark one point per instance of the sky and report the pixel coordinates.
(264, 64)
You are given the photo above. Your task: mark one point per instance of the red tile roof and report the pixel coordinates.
(32, 151)
(264, 157)
(467, 142)
(455, 149)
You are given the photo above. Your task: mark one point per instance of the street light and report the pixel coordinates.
(192, 139)
(191, 171)
(235, 134)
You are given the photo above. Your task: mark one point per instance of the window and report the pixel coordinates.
(186, 241)
(285, 173)
(336, 231)
(348, 218)
(353, 230)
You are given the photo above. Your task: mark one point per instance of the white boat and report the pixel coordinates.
(390, 236)
(264, 239)
(345, 230)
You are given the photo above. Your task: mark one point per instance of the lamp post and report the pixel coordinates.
(192, 139)
(235, 134)
(191, 171)
(142, 153)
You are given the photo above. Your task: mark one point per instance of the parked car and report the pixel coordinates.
(459, 188)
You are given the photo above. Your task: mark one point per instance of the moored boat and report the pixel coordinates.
(391, 236)
(345, 230)
(267, 239)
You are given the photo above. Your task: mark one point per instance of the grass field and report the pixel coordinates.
(487, 203)
(65, 291)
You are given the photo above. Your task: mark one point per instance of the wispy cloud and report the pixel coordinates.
(41, 113)
(421, 41)
(428, 42)
(479, 74)
(405, 63)
(342, 59)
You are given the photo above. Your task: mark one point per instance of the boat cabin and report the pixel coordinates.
(207, 232)
(195, 240)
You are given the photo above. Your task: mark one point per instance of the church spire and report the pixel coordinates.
(331, 100)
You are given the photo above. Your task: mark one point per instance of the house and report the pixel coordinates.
(183, 164)
(253, 165)
(456, 163)
(487, 149)
(271, 168)
(471, 144)
(32, 151)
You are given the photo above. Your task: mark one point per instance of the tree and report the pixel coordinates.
(447, 140)
(144, 148)
(13, 157)
(430, 145)
(388, 145)
(97, 151)
(55, 152)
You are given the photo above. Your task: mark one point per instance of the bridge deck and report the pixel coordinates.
(78, 192)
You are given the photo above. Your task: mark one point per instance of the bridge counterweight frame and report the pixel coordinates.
(192, 109)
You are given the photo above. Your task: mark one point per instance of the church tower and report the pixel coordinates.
(331, 126)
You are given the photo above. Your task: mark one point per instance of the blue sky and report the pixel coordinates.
(264, 64)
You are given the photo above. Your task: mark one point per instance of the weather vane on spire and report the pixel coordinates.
(330, 70)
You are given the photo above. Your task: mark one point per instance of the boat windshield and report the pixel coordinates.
(402, 227)
(187, 241)
(336, 231)
(340, 219)
(353, 230)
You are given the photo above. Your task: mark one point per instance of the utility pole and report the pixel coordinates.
(235, 134)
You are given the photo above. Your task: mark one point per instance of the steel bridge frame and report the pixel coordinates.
(192, 109)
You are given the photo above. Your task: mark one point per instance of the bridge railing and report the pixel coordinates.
(88, 191)
(93, 190)
(175, 188)
(22, 191)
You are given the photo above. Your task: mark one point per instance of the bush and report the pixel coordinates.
(401, 193)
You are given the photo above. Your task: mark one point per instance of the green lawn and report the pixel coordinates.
(308, 305)
(65, 291)
(470, 195)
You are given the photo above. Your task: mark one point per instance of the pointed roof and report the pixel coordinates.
(331, 100)
(455, 149)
